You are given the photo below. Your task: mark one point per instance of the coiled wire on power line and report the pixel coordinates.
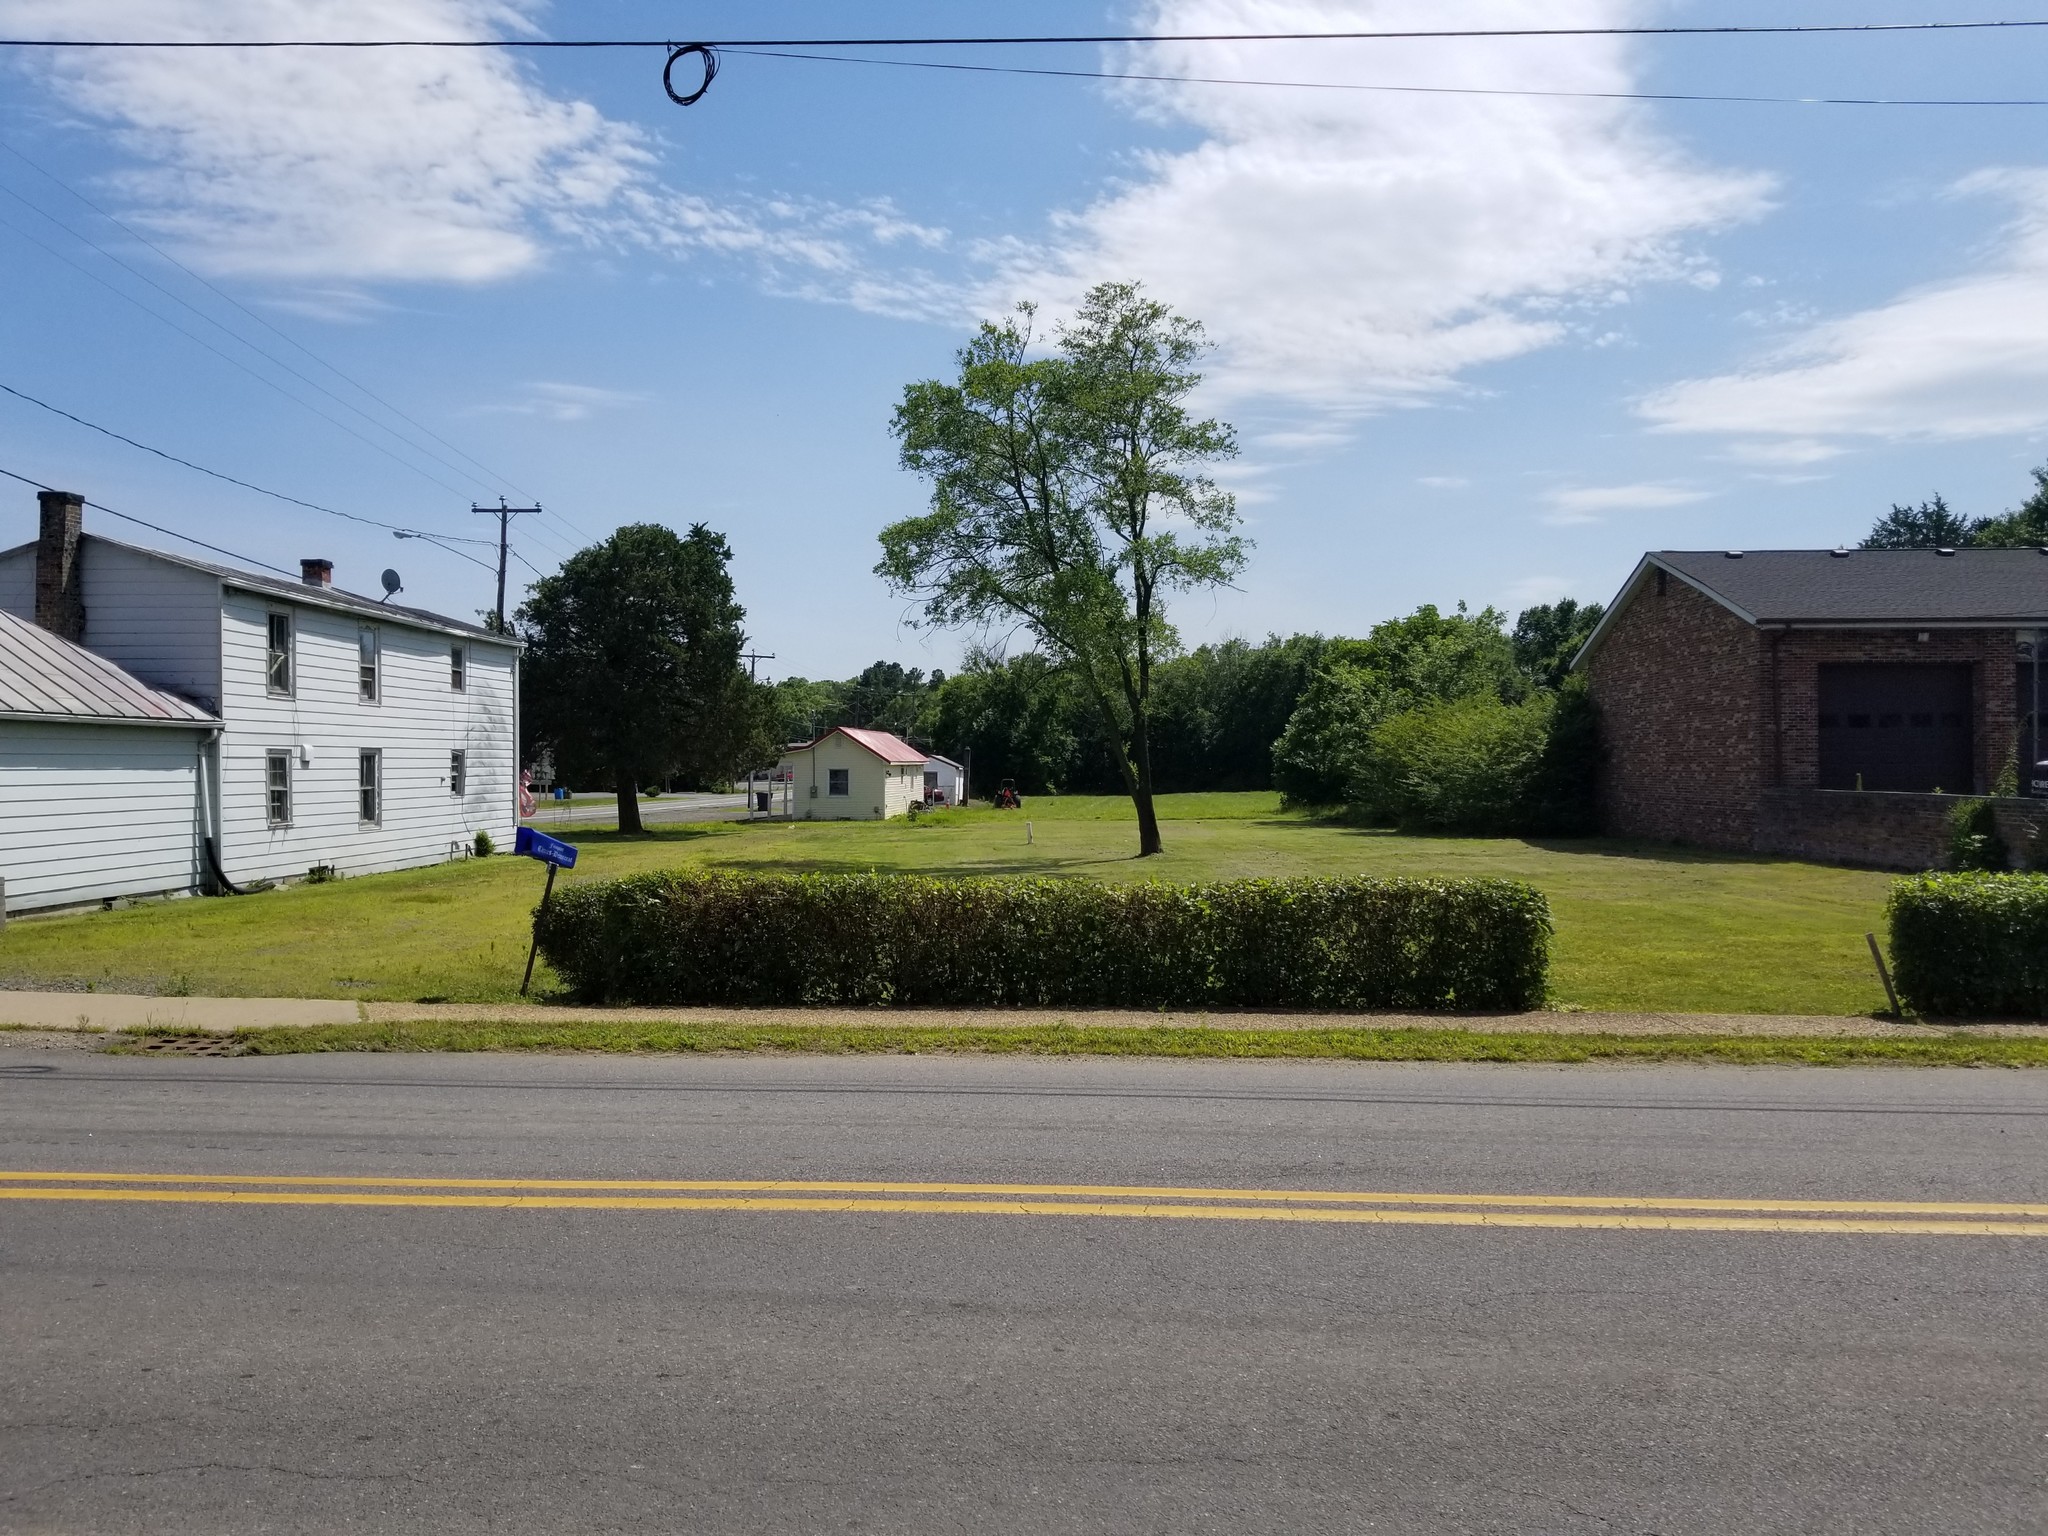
(679, 51)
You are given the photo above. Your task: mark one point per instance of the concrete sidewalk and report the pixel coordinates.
(97, 1011)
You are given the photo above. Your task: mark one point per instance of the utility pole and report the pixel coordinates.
(504, 515)
(750, 657)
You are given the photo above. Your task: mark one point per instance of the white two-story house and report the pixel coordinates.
(353, 734)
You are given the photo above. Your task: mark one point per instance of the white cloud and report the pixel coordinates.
(1585, 503)
(1356, 250)
(1958, 359)
(561, 402)
(1443, 482)
(332, 172)
(1528, 591)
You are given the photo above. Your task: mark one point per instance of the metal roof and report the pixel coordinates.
(297, 591)
(1871, 586)
(889, 748)
(45, 677)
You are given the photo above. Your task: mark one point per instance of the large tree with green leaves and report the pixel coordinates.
(1070, 497)
(632, 671)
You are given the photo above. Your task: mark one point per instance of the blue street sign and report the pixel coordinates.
(549, 850)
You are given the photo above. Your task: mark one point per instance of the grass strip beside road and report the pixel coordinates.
(657, 1038)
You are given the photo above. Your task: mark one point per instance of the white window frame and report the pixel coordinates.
(369, 673)
(273, 759)
(272, 617)
(458, 772)
(458, 669)
(370, 786)
(839, 783)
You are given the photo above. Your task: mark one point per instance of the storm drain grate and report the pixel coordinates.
(191, 1045)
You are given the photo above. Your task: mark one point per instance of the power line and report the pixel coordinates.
(1416, 90)
(281, 334)
(1379, 34)
(314, 506)
(179, 299)
(159, 528)
(232, 361)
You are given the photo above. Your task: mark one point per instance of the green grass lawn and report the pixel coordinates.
(1639, 927)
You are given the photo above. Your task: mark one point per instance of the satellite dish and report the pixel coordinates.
(392, 585)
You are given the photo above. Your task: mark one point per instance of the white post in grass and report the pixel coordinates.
(1027, 831)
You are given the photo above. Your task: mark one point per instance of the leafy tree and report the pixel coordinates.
(1549, 635)
(1015, 718)
(1325, 754)
(1069, 497)
(2025, 527)
(1931, 525)
(804, 708)
(632, 672)
(1219, 709)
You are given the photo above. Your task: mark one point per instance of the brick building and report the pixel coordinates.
(1820, 703)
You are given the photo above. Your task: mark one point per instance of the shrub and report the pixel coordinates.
(1466, 766)
(1973, 838)
(702, 937)
(484, 846)
(1971, 944)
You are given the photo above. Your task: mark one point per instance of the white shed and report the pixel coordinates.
(100, 777)
(850, 774)
(945, 781)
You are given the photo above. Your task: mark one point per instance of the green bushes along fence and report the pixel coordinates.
(688, 937)
(1971, 944)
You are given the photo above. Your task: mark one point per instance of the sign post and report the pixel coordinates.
(554, 853)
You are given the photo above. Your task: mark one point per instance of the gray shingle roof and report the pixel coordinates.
(42, 675)
(1872, 586)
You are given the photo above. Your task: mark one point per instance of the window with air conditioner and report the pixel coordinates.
(458, 773)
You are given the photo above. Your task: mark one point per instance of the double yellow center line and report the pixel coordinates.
(1617, 1213)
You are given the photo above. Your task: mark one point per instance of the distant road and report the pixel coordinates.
(604, 809)
(1309, 1298)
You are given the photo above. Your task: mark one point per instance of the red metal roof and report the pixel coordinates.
(889, 748)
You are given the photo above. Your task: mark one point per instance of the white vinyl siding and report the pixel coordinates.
(92, 811)
(416, 727)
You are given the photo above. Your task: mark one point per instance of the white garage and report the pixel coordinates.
(101, 777)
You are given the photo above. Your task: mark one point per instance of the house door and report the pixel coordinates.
(1896, 727)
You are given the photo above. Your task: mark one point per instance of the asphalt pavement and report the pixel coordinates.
(603, 810)
(956, 1294)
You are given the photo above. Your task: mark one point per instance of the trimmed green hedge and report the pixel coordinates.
(692, 937)
(1971, 944)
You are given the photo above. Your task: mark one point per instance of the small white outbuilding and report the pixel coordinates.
(851, 774)
(945, 781)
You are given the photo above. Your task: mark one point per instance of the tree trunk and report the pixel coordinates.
(629, 802)
(1141, 788)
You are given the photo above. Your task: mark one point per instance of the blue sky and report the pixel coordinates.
(1486, 348)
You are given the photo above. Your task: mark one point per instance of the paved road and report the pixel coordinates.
(594, 809)
(782, 1360)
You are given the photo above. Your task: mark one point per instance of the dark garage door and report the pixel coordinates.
(1895, 727)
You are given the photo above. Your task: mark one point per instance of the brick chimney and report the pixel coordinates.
(317, 573)
(60, 593)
